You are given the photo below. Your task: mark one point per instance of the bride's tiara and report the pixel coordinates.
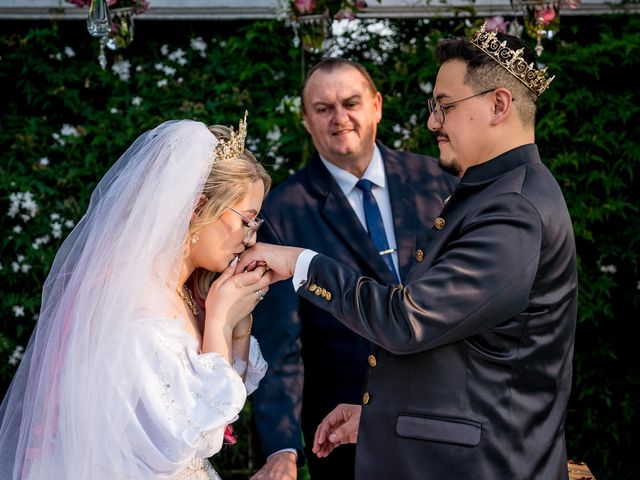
(233, 147)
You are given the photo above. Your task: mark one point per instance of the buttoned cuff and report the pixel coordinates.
(301, 273)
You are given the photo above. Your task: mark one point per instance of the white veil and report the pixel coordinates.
(65, 413)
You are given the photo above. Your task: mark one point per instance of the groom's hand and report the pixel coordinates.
(279, 466)
(340, 426)
(280, 260)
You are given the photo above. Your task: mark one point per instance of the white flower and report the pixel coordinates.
(608, 269)
(16, 355)
(69, 223)
(397, 144)
(200, 46)
(61, 141)
(122, 69)
(170, 71)
(15, 266)
(44, 161)
(162, 83)
(397, 128)
(274, 134)
(17, 229)
(426, 87)
(25, 268)
(24, 201)
(139, 68)
(164, 49)
(56, 230)
(413, 119)
(178, 56)
(136, 101)
(113, 110)
(54, 216)
(69, 131)
(18, 311)
(68, 51)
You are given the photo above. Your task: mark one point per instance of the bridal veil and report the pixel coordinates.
(65, 413)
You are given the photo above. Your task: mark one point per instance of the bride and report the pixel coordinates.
(138, 362)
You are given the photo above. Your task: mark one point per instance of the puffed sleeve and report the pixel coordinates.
(186, 398)
(254, 369)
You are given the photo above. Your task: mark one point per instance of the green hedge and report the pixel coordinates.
(65, 121)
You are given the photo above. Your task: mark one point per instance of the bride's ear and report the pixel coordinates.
(202, 201)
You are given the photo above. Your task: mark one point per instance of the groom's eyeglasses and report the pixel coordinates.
(251, 224)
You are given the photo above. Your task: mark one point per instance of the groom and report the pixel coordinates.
(474, 350)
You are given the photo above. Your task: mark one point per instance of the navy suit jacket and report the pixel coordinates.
(474, 354)
(311, 355)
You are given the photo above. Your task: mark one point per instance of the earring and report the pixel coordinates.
(194, 238)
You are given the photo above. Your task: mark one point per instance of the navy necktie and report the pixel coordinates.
(375, 225)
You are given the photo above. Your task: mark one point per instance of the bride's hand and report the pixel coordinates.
(233, 296)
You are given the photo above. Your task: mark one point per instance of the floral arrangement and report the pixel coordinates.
(138, 6)
(337, 9)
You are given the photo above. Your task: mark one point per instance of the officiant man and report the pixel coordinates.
(359, 203)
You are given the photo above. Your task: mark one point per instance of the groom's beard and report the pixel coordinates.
(453, 167)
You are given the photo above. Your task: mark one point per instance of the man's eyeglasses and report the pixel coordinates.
(251, 224)
(438, 109)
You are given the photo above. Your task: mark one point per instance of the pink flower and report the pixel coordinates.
(546, 15)
(229, 435)
(304, 6)
(497, 23)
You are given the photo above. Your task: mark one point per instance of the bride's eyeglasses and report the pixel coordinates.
(251, 224)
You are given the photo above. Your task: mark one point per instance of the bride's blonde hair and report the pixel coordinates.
(227, 183)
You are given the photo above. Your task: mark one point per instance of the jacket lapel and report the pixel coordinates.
(403, 206)
(339, 215)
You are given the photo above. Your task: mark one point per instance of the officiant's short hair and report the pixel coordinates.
(330, 64)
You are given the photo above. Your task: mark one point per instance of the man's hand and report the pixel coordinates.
(340, 426)
(279, 466)
(280, 260)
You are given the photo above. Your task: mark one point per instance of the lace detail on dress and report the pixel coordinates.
(198, 469)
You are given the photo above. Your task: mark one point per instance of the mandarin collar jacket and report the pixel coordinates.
(473, 360)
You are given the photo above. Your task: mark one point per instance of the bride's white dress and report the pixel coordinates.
(187, 399)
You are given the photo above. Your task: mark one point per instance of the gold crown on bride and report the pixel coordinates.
(233, 147)
(512, 60)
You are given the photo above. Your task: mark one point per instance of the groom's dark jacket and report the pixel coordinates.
(315, 362)
(474, 355)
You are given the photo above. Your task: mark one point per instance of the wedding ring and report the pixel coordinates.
(259, 294)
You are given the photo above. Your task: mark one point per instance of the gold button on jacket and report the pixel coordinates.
(372, 361)
(365, 398)
(419, 255)
(439, 223)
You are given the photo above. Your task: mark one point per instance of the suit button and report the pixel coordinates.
(419, 255)
(328, 296)
(313, 287)
(372, 361)
(366, 398)
(318, 291)
(439, 223)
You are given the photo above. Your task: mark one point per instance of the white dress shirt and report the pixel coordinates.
(347, 182)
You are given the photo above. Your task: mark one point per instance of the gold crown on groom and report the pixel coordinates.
(535, 79)
(234, 147)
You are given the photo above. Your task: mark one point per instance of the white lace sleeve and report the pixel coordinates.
(256, 368)
(186, 400)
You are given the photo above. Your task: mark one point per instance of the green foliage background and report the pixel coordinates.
(588, 134)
